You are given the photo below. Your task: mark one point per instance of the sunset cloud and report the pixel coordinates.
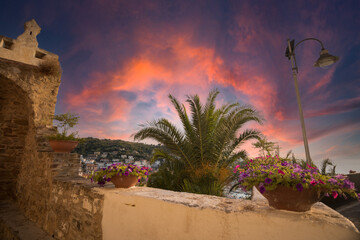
(121, 60)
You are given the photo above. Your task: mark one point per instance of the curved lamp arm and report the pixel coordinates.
(322, 45)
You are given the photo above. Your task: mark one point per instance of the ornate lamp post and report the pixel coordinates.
(324, 60)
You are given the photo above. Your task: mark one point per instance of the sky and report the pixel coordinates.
(121, 60)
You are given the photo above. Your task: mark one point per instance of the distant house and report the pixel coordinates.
(91, 157)
(145, 163)
(123, 156)
(104, 155)
(131, 157)
(157, 164)
(89, 167)
(101, 165)
(97, 153)
(104, 160)
(114, 153)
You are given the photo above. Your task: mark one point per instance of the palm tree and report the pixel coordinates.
(324, 165)
(198, 157)
(265, 146)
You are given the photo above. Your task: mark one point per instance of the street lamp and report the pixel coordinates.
(324, 60)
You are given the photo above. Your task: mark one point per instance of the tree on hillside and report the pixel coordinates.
(324, 164)
(198, 157)
(265, 146)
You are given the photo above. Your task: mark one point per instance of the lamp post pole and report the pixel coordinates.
(294, 72)
(324, 60)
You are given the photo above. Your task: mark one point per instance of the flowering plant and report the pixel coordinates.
(119, 169)
(267, 173)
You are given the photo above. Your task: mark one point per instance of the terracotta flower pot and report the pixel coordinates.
(289, 199)
(124, 181)
(63, 146)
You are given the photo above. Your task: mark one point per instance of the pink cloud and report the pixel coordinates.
(340, 106)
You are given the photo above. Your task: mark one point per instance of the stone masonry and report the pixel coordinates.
(43, 184)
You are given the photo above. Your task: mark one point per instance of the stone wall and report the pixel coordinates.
(62, 203)
(15, 121)
(75, 211)
(27, 104)
(45, 185)
(40, 88)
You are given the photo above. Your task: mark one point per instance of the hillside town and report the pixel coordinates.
(92, 162)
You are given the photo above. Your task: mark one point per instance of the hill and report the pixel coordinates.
(137, 150)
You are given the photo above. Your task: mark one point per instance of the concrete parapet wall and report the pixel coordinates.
(148, 213)
(355, 178)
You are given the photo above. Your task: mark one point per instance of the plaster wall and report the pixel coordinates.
(147, 213)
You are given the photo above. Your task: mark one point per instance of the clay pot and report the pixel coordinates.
(63, 146)
(286, 198)
(124, 181)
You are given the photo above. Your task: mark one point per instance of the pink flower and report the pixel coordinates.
(334, 194)
(313, 182)
(321, 181)
(281, 172)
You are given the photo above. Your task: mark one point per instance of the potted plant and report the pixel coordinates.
(122, 175)
(62, 141)
(288, 185)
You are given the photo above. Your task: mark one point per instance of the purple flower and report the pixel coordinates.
(126, 173)
(268, 180)
(299, 187)
(348, 184)
(242, 176)
(332, 181)
(339, 176)
(261, 188)
(284, 164)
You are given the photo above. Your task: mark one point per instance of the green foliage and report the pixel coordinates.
(169, 176)
(60, 136)
(198, 157)
(64, 122)
(50, 67)
(265, 146)
(324, 164)
(138, 150)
